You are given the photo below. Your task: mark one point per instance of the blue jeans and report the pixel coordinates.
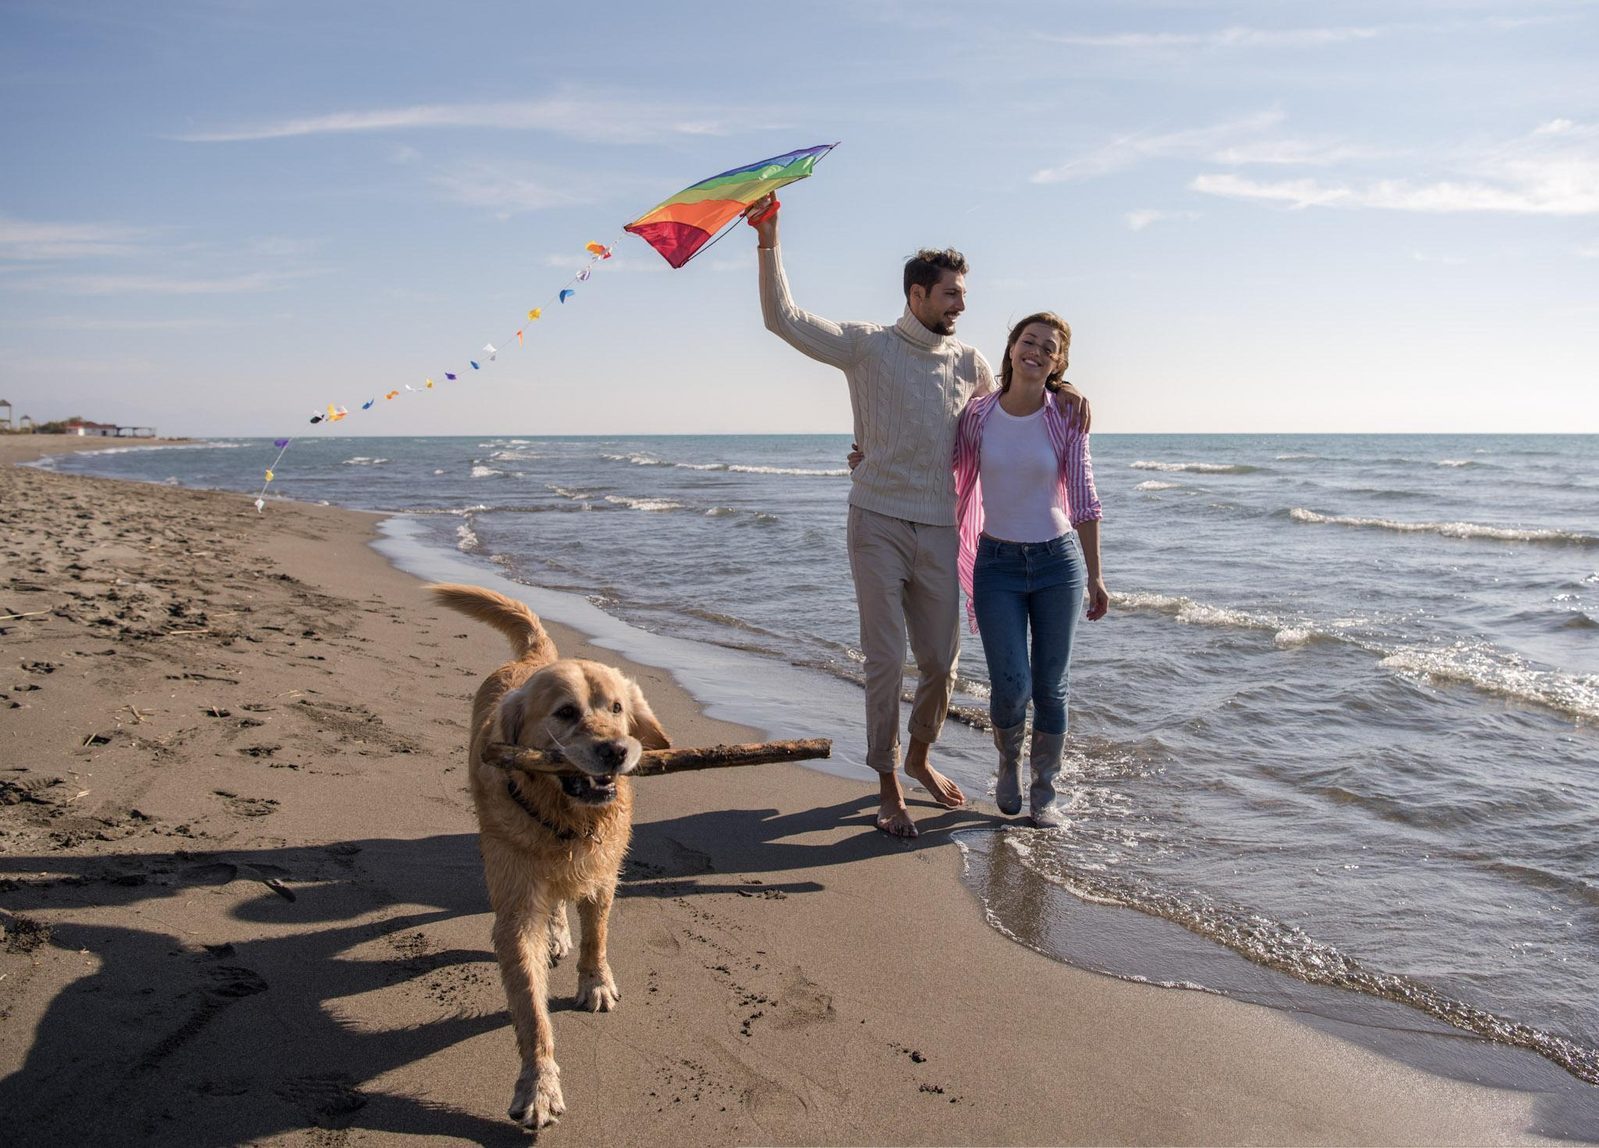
(1022, 585)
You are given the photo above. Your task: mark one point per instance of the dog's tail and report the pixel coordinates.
(506, 615)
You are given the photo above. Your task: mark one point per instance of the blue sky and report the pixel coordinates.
(218, 216)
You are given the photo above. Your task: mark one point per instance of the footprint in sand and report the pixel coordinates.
(246, 806)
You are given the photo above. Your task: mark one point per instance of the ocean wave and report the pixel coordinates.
(1298, 457)
(567, 492)
(481, 471)
(1286, 632)
(1493, 671)
(466, 539)
(1476, 664)
(728, 467)
(362, 460)
(797, 471)
(1471, 530)
(515, 456)
(1272, 944)
(1197, 467)
(643, 503)
(1156, 484)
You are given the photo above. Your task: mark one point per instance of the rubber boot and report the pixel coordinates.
(1008, 789)
(1047, 751)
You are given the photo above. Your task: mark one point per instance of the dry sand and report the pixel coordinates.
(242, 902)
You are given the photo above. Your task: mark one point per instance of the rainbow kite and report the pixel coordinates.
(681, 227)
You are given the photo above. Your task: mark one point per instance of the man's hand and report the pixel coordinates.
(762, 216)
(1076, 407)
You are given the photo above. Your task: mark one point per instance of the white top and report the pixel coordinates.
(907, 386)
(1021, 479)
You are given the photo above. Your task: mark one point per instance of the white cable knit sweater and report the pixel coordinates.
(907, 386)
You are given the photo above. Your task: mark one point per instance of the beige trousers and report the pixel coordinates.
(905, 586)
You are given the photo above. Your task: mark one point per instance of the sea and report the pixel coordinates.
(1335, 748)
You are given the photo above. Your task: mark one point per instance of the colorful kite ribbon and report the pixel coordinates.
(683, 226)
(679, 228)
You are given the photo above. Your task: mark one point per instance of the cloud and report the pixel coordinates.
(104, 323)
(22, 240)
(1138, 220)
(1292, 152)
(1235, 37)
(505, 189)
(604, 119)
(1552, 171)
(167, 284)
(1126, 151)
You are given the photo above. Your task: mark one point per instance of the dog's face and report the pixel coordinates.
(593, 715)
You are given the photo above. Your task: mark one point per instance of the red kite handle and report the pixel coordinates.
(771, 210)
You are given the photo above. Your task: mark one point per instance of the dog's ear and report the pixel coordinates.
(513, 711)
(644, 724)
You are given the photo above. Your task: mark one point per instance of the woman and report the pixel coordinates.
(1029, 538)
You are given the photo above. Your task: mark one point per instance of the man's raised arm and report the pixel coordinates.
(820, 339)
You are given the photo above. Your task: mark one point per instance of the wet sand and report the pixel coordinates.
(242, 902)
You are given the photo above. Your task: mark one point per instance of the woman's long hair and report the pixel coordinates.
(1061, 328)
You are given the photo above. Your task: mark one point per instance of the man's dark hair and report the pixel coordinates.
(927, 266)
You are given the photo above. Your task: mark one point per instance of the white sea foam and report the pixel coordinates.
(465, 538)
(1456, 462)
(1192, 612)
(643, 503)
(1156, 484)
(480, 471)
(1292, 457)
(727, 467)
(515, 456)
(1287, 633)
(840, 472)
(1495, 671)
(584, 497)
(362, 460)
(1448, 529)
(1196, 467)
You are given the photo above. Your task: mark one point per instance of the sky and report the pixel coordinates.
(217, 216)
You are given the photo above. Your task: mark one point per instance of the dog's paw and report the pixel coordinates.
(537, 1101)
(560, 944)
(597, 991)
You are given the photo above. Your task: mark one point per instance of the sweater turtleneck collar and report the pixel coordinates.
(916, 332)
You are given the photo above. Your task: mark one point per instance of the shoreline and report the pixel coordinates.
(772, 990)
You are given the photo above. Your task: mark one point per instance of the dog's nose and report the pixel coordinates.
(612, 753)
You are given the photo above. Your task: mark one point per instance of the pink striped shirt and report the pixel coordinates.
(1078, 498)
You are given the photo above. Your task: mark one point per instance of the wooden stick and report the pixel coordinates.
(658, 761)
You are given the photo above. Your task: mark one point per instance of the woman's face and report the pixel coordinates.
(1037, 353)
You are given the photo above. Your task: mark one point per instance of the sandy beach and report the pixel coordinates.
(242, 902)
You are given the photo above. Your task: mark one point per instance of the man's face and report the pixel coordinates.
(938, 307)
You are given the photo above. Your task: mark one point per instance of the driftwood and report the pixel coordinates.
(657, 761)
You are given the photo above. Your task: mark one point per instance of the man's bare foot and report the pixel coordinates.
(892, 816)
(895, 820)
(944, 791)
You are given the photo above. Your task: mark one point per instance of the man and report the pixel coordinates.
(907, 385)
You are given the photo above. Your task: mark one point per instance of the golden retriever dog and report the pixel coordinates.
(550, 839)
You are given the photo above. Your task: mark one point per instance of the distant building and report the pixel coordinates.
(5, 414)
(89, 429)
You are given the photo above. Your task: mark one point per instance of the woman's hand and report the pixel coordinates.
(854, 456)
(1098, 599)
